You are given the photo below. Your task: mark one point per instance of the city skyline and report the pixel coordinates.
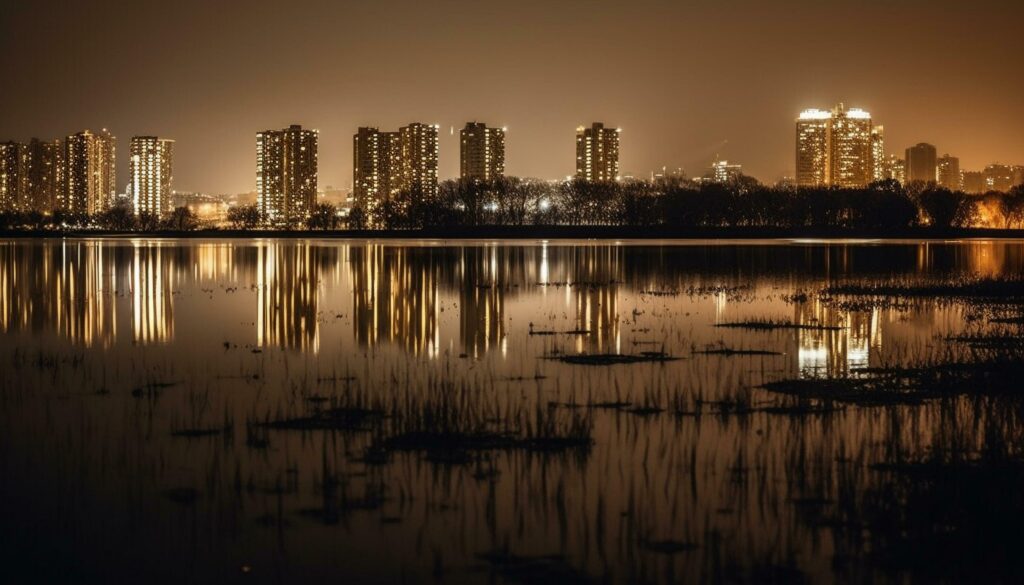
(538, 77)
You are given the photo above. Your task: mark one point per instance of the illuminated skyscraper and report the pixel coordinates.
(812, 129)
(949, 173)
(597, 153)
(89, 179)
(482, 151)
(419, 159)
(45, 168)
(12, 175)
(850, 148)
(388, 163)
(150, 169)
(366, 167)
(922, 163)
(286, 174)
(895, 168)
(878, 153)
(836, 148)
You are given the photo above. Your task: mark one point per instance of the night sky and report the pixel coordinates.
(686, 80)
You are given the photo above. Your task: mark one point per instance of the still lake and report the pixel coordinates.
(260, 410)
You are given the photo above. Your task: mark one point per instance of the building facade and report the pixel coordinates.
(948, 171)
(723, 172)
(45, 168)
(999, 177)
(812, 130)
(89, 183)
(418, 144)
(838, 148)
(877, 153)
(597, 153)
(286, 174)
(150, 171)
(384, 164)
(922, 163)
(12, 176)
(481, 152)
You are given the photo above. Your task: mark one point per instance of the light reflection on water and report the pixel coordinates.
(247, 330)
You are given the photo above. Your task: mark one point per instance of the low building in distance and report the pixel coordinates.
(922, 163)
(948, 169)
(481, 152)
(723, 172)
(286, 174)
(998, 177)
(597, 153)
(973, 182)
(150, 169)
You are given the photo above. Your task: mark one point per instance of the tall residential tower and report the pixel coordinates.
(286, 174)
(89, 179)
(838, 148)
(149, 170)
(597, 153)
(482, 152)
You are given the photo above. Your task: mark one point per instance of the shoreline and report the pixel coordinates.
(544, 233)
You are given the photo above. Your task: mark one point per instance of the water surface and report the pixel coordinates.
(138, 377)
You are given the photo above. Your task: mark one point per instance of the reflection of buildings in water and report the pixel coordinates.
(214, 262)
(152, 277)
(482, 288)
(66, 289)
(287, 279)
(595, 274)
(394, 297)
(830, 352)
(976, 258)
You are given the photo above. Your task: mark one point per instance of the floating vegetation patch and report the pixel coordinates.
(613, 359)
(1003, 290)
(729, 352)
(886, 386)
(534, 569)
(773, 325)
(331, 419)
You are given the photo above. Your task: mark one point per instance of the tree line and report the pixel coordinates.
(672, 202)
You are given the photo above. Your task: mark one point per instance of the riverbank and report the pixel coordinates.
(551, 233)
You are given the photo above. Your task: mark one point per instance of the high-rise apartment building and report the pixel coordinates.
(597, 153)
(150, 171)
(812, 131)
(895, 168)
(877, 153)
(837, 148)
(388, 163)
(12, 176)
(482, 152)
(850, 148)
(948, 169)
(418, 144)
(45, 169)
(286, 174)
(922, 163)
(89, 180)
